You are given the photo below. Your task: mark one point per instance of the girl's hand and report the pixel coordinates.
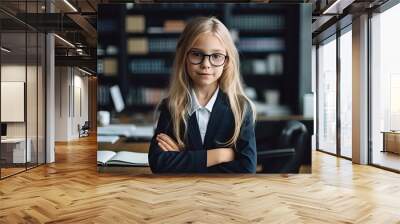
(219, 155)
(226, 155)
(166, 143)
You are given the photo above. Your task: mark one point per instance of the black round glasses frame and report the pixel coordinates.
(209, 58)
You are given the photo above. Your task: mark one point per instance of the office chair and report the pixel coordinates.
(84, 130)
(287, 156)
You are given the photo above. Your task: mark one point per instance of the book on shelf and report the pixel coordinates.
(135, 24)
(112, 50)
(100, 64)
(154, 45)
(275, 64)
(185, 6)
(155, 29)
(259, 67)
(162, 44)
(103, 95)
(110, 66)
(138, 46)
(260, 44)
(145, 96)
(149, 66)
(174, 25)
(258, 22)
(270, 65)
(121, 158)
(106, 25)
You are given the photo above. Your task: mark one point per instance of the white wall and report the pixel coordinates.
(80, 110)
(62, 81)
(13, 73)
(71, 93)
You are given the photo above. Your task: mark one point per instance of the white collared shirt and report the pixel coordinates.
(202, 113)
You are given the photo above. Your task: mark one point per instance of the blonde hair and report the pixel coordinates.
(229, 82)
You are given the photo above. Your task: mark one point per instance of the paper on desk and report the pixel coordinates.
(127, 130)
(107, 139)
(143, 132)
(117, 129)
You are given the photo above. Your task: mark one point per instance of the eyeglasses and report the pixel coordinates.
(197, 57)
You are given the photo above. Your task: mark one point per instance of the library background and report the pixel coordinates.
(49, 75)
(135, 56)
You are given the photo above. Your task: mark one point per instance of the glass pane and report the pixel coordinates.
(386, 89)
(32, 86)
(346, 94)
(314, 87)
(31, 101)
(327, 96)
(41, 99)
(13, 86)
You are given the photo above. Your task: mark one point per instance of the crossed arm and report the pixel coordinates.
(214, 156)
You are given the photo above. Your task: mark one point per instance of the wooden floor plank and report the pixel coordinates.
(72, 191)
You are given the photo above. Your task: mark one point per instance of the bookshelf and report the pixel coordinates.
(145, 37)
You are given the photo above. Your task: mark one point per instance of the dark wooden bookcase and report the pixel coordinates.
(111, 32)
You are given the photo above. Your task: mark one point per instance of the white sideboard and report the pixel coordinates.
(18, 149)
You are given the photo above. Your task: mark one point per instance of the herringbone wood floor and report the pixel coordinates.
(71, 191)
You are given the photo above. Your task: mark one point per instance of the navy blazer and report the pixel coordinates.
(193, 159)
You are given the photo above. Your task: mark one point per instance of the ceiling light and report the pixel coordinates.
(64, 40)
(5, 49)
(70, 5)
(337, 7)
(86, 72)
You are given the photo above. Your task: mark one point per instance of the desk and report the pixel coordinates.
(15, 148)
(124, 169)
(391, 141)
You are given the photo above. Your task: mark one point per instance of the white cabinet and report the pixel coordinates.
(17, 145)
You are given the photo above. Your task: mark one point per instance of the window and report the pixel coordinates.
(327, 96)
(385, 87)
(346, 93)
